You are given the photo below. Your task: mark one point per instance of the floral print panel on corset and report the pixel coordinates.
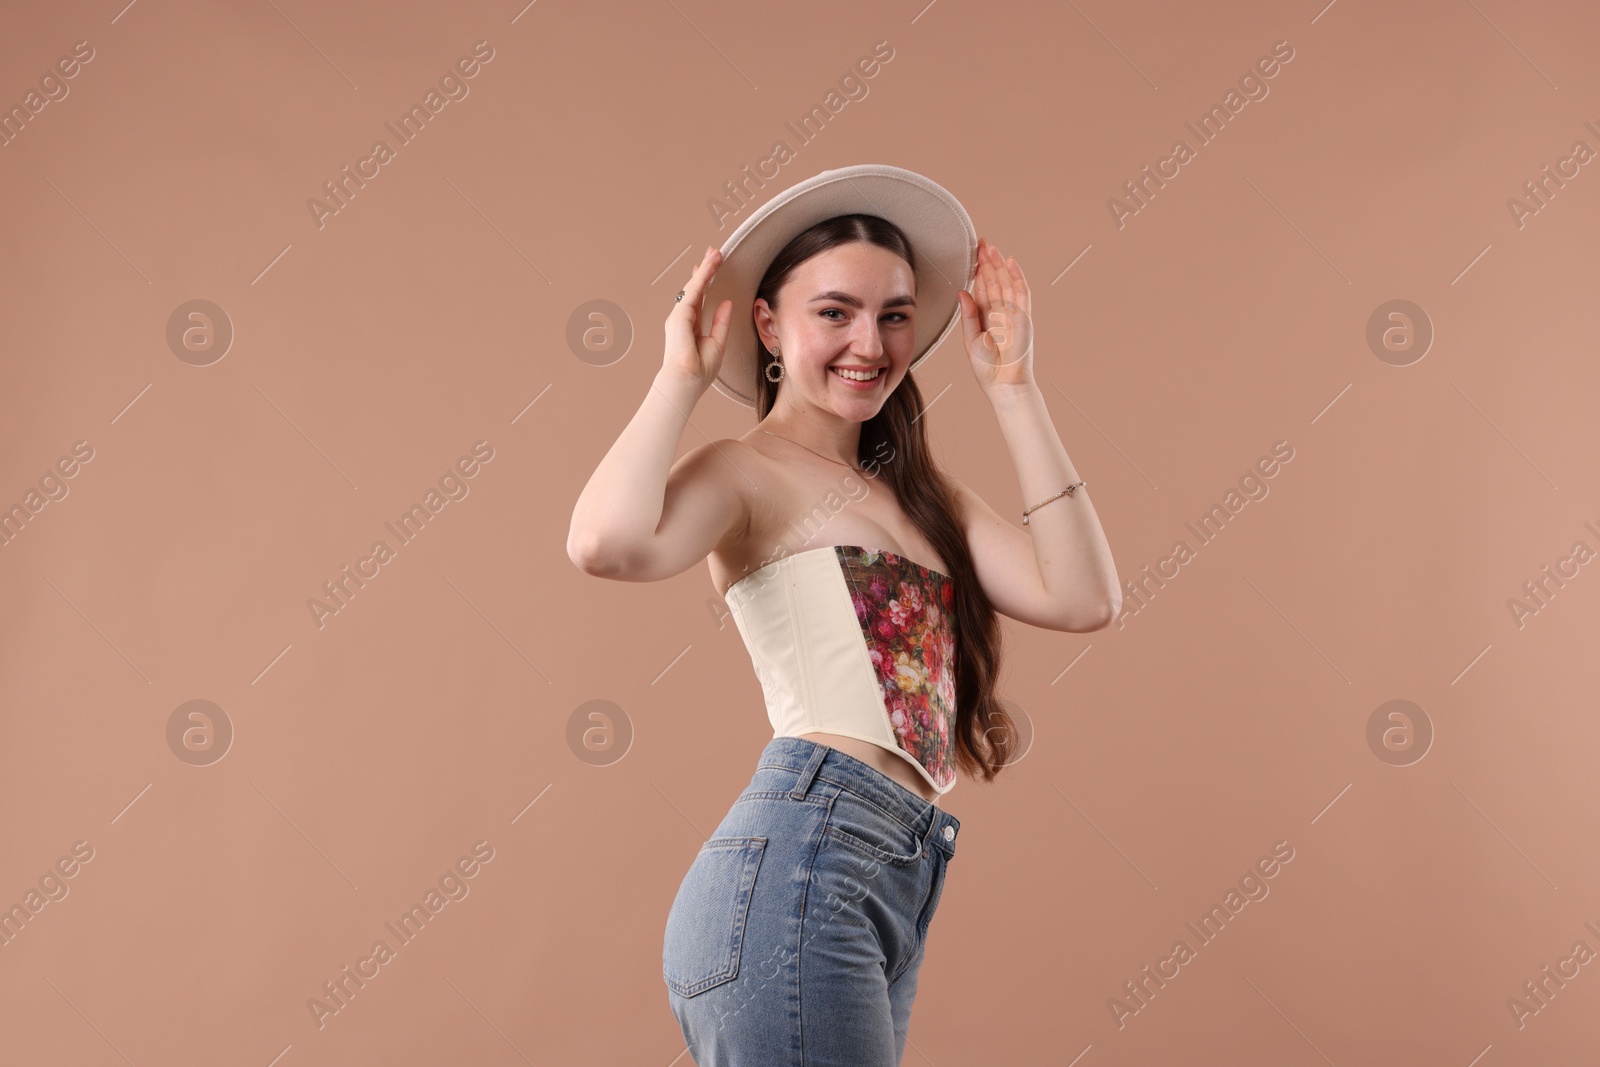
(907, 617)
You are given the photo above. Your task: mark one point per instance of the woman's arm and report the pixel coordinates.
(642, 517)
(1056, 573)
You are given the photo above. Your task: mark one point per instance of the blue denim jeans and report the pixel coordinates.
(796, 936)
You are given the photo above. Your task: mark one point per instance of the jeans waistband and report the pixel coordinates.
(813, 761)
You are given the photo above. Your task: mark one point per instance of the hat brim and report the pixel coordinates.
(942, 239)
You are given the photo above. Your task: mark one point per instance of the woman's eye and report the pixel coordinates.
(897, 316)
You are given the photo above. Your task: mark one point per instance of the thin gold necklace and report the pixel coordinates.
(814, 452)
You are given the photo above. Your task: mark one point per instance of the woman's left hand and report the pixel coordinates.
(997, 317)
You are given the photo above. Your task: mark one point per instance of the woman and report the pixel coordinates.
(797, 934)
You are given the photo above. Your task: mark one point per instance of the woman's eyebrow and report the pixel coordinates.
(835, 295)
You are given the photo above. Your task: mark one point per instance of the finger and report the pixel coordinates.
(706, 268)
(686, 304)
(977, 266)
(713, 346)
(969, 316)
(1003, 278)
(981, 263)
(1019, 282)
(980, 285)
(694, 288)
(994, 275)
(720, 320)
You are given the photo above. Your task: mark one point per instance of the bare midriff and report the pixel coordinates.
(879, 758)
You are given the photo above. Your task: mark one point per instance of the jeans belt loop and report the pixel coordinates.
(803, 785)
(937, 825)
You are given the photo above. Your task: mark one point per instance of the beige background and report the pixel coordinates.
(370, 753)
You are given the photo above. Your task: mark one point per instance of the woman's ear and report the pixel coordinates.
(764, 320)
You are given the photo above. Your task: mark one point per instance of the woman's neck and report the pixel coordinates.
(829, 436)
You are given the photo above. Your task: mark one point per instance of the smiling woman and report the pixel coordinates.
(864, 372)
(840, 295)
(876, 639)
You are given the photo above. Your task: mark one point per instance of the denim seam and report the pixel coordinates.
(822, 776)
(919, 935)
(799, 965)
(779, 794)
(889, 784)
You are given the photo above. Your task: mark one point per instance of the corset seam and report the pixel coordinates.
(799, 644)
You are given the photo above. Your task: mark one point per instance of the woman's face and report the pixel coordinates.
(849, 307)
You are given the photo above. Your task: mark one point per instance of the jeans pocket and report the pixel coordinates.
(705, 927)
(863, 827)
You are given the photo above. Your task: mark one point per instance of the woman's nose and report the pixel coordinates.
(868, 340)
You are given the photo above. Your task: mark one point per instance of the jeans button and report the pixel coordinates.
(949, 833)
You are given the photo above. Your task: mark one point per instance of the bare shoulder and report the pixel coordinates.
(725, 471)
(727, 459)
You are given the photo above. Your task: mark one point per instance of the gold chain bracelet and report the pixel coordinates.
(1065, 492)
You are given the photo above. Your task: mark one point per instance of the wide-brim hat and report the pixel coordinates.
(943, 243)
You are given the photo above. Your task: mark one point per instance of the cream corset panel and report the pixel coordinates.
(856, 641)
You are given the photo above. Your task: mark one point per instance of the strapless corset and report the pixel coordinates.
(856, 641)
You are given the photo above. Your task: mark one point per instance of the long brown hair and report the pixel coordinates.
(985, 736)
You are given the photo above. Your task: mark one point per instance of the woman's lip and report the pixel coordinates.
(859, 384)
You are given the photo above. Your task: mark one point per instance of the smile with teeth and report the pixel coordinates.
(856, 375)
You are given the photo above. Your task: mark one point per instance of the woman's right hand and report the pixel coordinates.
(689, 353)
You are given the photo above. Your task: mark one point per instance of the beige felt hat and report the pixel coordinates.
(942, 238)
